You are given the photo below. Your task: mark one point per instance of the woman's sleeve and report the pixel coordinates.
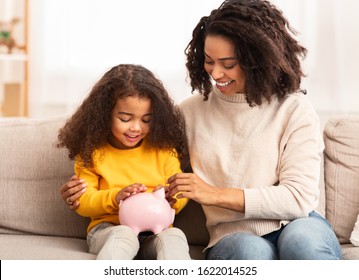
(297, 191)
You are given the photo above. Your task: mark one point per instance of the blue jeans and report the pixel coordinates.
(310, 238)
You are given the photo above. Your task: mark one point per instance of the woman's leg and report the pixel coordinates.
(243, 246)
(309, 238)
(170, 244)
(111, 242)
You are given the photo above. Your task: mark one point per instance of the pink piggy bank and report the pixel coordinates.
(149, 211)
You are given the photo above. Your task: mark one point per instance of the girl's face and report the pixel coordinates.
(222, 65)
(131, 119)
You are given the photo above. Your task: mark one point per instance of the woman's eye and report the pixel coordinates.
(147, 121)
(208, 62)
(229, 66)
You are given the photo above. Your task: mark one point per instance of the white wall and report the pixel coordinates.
(73, 42)
(328, 29)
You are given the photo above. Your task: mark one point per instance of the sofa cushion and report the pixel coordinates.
(31, 171)
(36, 247)
(341, 173)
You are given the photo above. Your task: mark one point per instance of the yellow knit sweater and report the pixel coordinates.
(115, 169)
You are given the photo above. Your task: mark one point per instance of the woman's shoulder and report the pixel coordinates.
(298, 101)
(191, 101)
(298, 109)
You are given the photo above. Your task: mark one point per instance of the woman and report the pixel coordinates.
(254, 139)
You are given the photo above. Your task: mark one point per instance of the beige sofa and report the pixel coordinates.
(36, 224)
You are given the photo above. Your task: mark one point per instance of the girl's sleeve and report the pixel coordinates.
(95, 202)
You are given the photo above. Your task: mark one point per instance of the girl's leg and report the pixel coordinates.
(111, 242)
(309, 238)
(243, 246)
(170, 244)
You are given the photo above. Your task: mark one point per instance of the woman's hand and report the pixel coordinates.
(191, 186)
(72, 191)
(130, 190)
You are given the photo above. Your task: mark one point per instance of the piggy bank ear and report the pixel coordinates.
(160, 193)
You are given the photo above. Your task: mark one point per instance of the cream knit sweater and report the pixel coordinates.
(271, 151)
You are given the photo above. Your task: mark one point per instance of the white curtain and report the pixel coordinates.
(73, 42)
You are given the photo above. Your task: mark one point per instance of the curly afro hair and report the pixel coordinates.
(265, 49)
(90, 126)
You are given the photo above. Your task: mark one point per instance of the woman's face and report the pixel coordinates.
(222, 65)
(131, 119)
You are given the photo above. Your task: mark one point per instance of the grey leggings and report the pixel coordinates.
(110, 242)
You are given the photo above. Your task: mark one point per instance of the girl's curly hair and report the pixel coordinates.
(90, 126)
(265, 49)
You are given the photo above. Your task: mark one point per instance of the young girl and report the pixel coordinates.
(127, 137)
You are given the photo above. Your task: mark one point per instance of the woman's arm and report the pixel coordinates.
(72, 191)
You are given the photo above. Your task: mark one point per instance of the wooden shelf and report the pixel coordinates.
(15, 94)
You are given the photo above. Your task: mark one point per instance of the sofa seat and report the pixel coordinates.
(350, 252)
(38, 247)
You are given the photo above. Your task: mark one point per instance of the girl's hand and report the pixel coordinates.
(171, 200)
(72, 191)
(130, 190)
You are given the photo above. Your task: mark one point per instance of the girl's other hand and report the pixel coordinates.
(130, 190)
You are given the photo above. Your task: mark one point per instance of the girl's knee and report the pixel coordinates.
(173, 231)
(173, 235)
(124, 233)
(172, 244)
(119, 242)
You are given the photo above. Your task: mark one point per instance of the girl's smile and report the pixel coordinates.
(130, 122)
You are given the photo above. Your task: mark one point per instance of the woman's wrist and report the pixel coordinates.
(232, 199)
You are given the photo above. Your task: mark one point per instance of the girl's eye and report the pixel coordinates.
(208, 62)
(147, 120)
(125, 120)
